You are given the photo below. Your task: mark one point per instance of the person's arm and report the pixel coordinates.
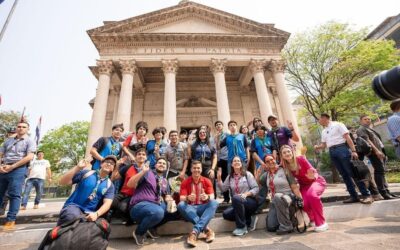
(134, 180)
(128, 152)
(102, 210)
(252, 183)
(66, 179)
(185, 163)
(294, 136)
(22, 162)
(223, 186)
(351, 145)
(320, 146)
(48, 170)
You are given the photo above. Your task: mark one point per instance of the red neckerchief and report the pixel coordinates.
(271, 183)
(236, 179)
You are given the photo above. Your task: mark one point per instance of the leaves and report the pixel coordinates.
(65, 146)
(8, 119)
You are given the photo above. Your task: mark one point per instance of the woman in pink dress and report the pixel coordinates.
(312, 185)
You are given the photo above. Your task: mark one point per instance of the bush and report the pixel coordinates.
(390, 152)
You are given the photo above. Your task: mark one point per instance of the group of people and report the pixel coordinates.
(152, 181)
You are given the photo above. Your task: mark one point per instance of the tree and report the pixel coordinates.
(8, 119)
(331, 68)
(65, 146)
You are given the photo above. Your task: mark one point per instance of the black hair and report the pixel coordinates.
(142, 124)
(119, 125)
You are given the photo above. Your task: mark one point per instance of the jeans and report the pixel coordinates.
(341, 158)
(147, 215)
(68, 213)
(198, 215)
(38, 184)
(12, 182)
(241, 211)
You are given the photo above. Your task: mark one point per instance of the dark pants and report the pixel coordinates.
(12, 182)
(379, 173)
(120, 205)
(223, 164)
(68, 213)
(341, 158)
(38, 184)
(240, 211)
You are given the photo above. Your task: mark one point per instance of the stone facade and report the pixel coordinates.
(187, 65)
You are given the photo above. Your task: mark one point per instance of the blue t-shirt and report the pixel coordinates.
(150, 146)
(393, 124)
(262, 147)
(82, 196)
(236, 145)
(106, 146)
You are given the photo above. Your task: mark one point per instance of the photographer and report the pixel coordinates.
(394, 126)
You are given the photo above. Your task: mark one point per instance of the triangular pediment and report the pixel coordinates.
(188, 17)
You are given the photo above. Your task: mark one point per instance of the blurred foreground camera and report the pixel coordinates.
(386, 85)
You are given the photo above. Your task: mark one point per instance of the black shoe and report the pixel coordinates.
(387, 196)
(392, 194)
(283, 232)
(351, 200)
(2, 211)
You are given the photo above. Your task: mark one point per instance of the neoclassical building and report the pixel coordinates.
(187, 65)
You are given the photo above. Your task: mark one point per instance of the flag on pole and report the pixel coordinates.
(22, 115)
(37, 131)
(0, 95)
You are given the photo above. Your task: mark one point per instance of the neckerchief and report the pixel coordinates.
(271, 183)
(237, 179)
(264, 143)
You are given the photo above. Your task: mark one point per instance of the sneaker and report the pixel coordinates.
(35, 206)
(9, 226)
(152, 233)
(139, 239)
(210, 235)
(22, 208)
(192, 239)
(377, 197)
(253, 223)
(367, 200)
(322, 228)
(351, 200)
(240, 231)
(387, 196)
(312, 224)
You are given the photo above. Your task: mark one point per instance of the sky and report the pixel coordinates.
(45, 52)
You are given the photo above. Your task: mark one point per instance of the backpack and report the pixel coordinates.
(362, 146)
(106, 140)
(77, 234)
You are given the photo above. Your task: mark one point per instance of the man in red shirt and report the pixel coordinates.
(198, 204)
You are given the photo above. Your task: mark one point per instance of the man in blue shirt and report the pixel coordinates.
(236, 144)
(107, 146)
(16, 153)
(94, 191)
(394, 126)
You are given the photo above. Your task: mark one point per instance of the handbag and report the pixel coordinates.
(360, 170)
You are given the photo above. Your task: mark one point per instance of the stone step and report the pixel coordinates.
(333, 212)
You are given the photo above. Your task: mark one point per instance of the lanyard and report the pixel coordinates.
(99, 181)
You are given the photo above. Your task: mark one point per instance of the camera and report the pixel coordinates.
(386, 85)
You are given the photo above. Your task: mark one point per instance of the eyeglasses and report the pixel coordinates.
(110, 163)
(270, 160)
(21, 127)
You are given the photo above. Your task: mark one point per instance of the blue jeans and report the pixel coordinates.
(198, 215)
(341, 158)
(69, 213)
(12, 182)
(241, 211)
(147, 215)
(38, 184)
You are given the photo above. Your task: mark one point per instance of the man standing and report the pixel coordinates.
(16, 152)
(107, 146)
(335, 136)
(236, 144)
(394, 126)
(36, 177)
(222, 155)
(197, 204)
(377, 157)
(177, 155)
(281, 135)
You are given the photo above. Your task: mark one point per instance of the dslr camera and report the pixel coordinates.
(386, 85)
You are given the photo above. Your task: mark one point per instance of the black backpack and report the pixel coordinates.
(362, 146)
(77, 234)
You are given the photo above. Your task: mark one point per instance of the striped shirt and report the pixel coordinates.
(394, 127)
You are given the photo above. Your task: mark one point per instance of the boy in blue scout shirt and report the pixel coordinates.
(94, 188)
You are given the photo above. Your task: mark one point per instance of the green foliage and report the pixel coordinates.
(393, 177)
(66, 145)
(8, 119)
(331, 67)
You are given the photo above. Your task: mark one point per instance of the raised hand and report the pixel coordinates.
(310, 174)
(203, 195)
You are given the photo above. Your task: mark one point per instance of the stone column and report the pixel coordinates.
(105, 68)
(138, 103)
(218, 67)
(257, 69)
(128, 69)
(277, 68)
(170, 68)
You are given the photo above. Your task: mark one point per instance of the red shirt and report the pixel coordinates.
(125, 189)
(188, 186)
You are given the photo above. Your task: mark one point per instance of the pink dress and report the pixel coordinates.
(311, 190)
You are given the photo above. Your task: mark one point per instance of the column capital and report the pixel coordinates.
(128, 66)
(105, 66)
(257, 66)
(218, 65)
(277, 66)
(170, 66)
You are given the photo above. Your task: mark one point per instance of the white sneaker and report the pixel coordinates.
(312, 224)
(322, 228)
(253, 224)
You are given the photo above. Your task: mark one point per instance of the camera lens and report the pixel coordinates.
(386, 85)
